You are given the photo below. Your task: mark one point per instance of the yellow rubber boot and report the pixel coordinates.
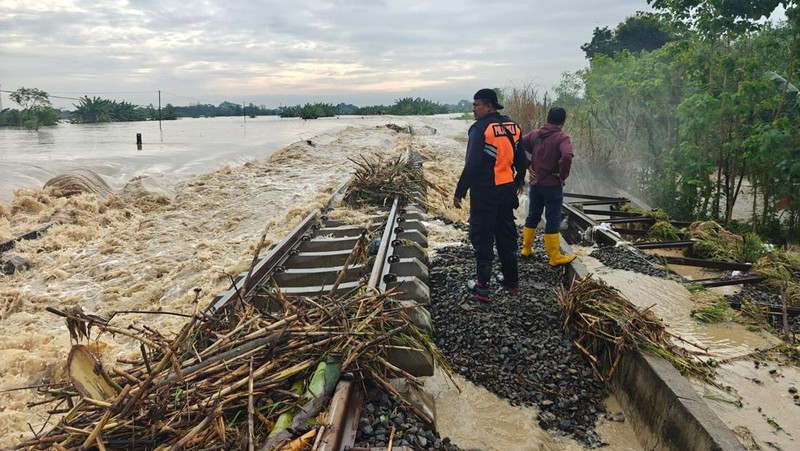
(552, 244)
(528, 234)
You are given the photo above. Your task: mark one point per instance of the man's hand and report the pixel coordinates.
(457, 202)
(520, 188)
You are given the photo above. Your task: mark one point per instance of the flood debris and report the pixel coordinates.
(605, 325)
(255, 380)
(378, 181)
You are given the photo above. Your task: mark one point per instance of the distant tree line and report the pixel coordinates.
(37, 110)
(95, 110)
(225, 109)
(403, 107)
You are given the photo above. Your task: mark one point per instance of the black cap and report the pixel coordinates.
(488, 95)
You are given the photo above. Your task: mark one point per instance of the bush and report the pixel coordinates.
(751, 248)
(31, 124)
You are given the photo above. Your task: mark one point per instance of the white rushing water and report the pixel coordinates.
(170, 151)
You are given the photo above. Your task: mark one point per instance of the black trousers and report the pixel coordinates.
(491, 222)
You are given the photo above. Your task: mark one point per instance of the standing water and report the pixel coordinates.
(757, 394)
(170, 151)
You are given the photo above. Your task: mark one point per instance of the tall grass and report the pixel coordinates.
(526, 106)
(529, 108)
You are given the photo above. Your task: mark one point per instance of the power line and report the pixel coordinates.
(108, 92)
(48, 95)
(86, 94)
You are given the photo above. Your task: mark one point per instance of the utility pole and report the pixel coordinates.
(159, 110)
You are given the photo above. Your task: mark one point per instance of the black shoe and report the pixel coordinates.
(479, 290)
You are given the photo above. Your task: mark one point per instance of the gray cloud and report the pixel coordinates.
(273, 51)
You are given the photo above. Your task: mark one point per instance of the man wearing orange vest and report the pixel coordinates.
(550, 151)
(494, 175)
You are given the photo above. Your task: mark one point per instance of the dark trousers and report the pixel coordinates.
(545, 199)
(491, 222)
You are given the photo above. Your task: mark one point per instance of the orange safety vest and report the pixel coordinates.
(498, 137)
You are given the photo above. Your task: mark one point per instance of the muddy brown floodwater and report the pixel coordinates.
(148, 250)
(759, 402)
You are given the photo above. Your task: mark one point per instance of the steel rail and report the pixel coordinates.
(32, 235)
(380, 269)
(721, 282)
(612, 237)
(601, 235)
(348, 401)
(265, 265)
(664, 244)
(596, 197)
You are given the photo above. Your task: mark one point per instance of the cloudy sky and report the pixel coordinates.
(272, 52)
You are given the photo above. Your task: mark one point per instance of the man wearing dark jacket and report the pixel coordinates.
(550, 151)
(494, 175)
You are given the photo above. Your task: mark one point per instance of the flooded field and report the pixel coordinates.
(171, 151)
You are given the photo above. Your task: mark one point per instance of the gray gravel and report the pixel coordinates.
(632, 260)
(513, 345)
(382, 412)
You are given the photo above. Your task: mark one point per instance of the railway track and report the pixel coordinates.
(322, 256)
(351, 288)
(339, 258)
(597, 218)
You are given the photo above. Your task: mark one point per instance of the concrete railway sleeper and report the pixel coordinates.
(597, 226)
(322, 256)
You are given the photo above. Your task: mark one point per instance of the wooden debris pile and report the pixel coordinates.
(604, 325)
(253, 381)
(377, 182)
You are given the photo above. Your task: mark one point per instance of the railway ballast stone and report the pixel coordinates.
(514, 345)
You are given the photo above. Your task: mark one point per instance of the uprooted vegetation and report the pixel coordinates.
(713, 242)
(377, 182)
(251, 379)
(605, 325)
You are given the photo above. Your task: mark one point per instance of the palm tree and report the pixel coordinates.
(92, 110)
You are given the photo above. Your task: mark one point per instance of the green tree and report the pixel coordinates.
(92, 110)
(416, 106)
(168, 113)
(123, 112)
(229, 109)
(701, 118)
(36, 108)
(642, 31)
(719, 16)
(30, 98)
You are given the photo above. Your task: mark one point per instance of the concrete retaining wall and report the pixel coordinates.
(664, 410)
